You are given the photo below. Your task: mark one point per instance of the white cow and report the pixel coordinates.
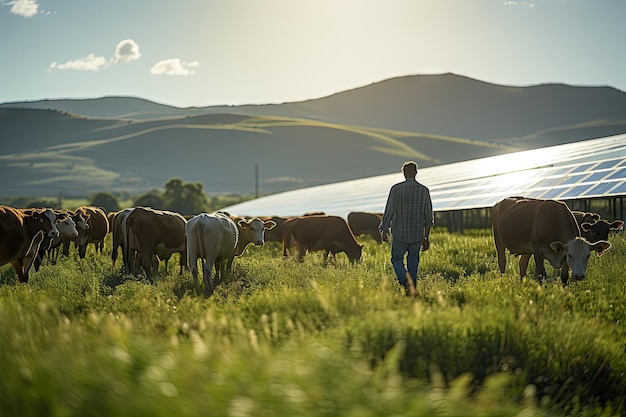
(216, 239)
(213, 239)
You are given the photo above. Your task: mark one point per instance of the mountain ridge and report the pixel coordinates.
(131, 145)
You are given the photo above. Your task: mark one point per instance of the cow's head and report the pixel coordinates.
(47, 219)
(66, 226)
(599, 230)
(355, 255)
(577, 252)
(80, 218)
(252, 230)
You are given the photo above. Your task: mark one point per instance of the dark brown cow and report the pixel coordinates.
(594, 228)
(365, 223)
(96, 232)
(21, 234)
(329, 233)
(544, 229)
(151, 232)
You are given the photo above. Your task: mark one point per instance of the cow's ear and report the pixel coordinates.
(585, 227)
(269, 224)
(558, 247)
(600, 246)
(243, 224)
(616, 225)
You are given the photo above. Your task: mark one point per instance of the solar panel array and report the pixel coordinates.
(586, 169)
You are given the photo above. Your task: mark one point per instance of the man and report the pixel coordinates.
(409, 214)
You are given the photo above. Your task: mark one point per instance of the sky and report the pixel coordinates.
(232, 52)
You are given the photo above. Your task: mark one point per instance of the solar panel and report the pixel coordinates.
(592, 168)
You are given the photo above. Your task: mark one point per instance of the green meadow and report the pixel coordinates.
(283, 338)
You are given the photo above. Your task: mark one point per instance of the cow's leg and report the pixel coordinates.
(146, 261)
(22, 266)
(564, 273)
(193, 266)
(82, 250)
(523, 264)
(207, 270)
(501, 252)
(17, 267)
(301, 251)
(539, 266)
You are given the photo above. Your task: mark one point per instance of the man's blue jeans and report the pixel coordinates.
(412, 251)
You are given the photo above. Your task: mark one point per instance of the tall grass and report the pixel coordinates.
(279, 337)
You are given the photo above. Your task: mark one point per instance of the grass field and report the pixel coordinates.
(282, 338)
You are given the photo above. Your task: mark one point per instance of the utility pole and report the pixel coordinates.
(256, 181)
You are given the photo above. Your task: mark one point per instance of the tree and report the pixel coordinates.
(107, 201)
(152, 199)
(185, 197)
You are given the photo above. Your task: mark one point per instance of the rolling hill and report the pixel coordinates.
(125, 144)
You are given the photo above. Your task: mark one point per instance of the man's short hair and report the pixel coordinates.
(409, 167)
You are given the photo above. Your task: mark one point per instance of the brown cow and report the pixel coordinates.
(545, 229)
(365, 223)
(151, 232)
(329, 233)
(21, 234)
(96, 232)
(594, 228)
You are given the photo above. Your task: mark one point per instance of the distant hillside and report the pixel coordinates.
(79, 147)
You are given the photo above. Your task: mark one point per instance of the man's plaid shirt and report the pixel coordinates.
(409, 209)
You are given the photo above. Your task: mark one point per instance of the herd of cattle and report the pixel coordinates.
(545, 229)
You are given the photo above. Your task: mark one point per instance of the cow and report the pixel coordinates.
(251, 231)
(216, 239)
(96, 232)
(213, 239)
(365, 223)
(21, 234)
(544, 229)
(67, 227)
(151, 232)
(323, 232)
(594, 228)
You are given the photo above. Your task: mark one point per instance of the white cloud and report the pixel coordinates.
(519, 3)
(174, 66)
(25, 8)
(126, 51)
(89, 63)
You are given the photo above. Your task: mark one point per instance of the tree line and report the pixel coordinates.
(182, 197)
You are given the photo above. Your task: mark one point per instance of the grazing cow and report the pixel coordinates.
(594, 228)
(151, 232)
(213, 239)
(365, 223)
(545, 229)
(21, 234)
(96, 232)
(312, 233)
